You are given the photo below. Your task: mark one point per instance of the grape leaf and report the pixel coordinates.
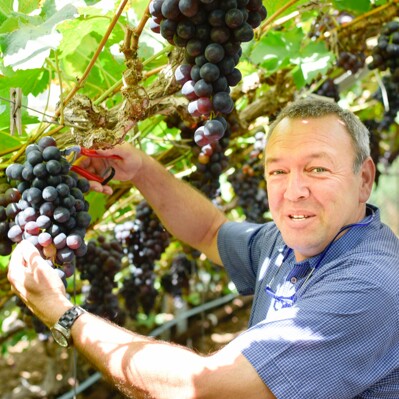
(313, 59)
(275, 50)
(97, 205)
(6, 7)
(76, 30)
(32, 81)
(358, 6)
(27, 6)
(30, 44)
(7, 141)
(272, 6)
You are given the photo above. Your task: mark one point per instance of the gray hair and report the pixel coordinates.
(316, 107)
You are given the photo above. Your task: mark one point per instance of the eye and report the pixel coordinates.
(276, 172)
(318, 169)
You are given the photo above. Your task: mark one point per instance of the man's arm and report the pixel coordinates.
(139, 366)
(185, 212)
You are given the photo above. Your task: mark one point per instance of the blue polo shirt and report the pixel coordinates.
(328, 327)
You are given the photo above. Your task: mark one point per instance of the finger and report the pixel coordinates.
(98, 187)
(30, 254)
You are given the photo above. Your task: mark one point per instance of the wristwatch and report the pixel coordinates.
(61, 330)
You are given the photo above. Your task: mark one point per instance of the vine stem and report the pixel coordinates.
(86, 73)
(276, 15)
(139, 28)
(117, 85)
(367, 14)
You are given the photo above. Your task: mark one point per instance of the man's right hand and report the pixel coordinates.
(125, 168)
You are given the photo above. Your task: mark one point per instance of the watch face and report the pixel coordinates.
(59, 338)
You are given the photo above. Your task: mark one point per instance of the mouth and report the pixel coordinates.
(299, 217)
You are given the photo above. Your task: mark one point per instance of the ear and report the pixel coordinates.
(367, 174)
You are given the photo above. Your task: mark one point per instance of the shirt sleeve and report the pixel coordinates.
(241, 252)
(338, 339)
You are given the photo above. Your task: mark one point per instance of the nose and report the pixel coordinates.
(297, 187)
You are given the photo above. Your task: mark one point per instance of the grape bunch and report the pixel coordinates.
(176, 281)
(329, 89)
(386, 53)
(373, 127)
(351, 61)
(209, 167)
(99, 265)
(51, 212)
(250, 188)
(144, 240)
(392, 91)
(211, 33)
(9, 196)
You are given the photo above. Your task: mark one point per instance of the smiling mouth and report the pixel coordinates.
(298, 217)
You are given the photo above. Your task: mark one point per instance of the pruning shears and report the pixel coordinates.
(78, 150)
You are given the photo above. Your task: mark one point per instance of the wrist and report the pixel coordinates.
(51, 311)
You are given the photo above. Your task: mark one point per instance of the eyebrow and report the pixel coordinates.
(315, 155)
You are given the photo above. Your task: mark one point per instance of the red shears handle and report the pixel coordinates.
(91, 176)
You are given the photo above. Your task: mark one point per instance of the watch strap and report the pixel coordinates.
(69, 317)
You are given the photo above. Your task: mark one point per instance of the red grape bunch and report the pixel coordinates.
(51, 212)
(211, 32)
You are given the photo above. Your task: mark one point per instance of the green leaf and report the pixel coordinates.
(275, 49)
(6, 8)
(7, 141)
(29, 45)
(75, 31)
(97, 205)
(358, 6)
(273, 6)
(313, 59)
(27, 6)
(33, 81)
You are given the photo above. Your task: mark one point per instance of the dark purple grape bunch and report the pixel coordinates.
(144, 240)
(329, 89)
(52, 212)
(176, 281)
(386, 53)
(392, 93)
(211, 32)
(9, 196)
(250, 189)
(351, 61)
(99, 266)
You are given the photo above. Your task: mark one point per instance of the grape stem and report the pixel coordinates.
(368, 14)
(265, 26)
(139, 29)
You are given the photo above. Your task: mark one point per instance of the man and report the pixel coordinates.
(324, 274)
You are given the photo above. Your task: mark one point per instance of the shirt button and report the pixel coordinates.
(294, 280)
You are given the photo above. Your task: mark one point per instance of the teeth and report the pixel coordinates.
(298, 217)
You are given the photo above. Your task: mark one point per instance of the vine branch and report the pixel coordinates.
(274, 16)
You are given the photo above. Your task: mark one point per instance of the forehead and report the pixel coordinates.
(327, 128)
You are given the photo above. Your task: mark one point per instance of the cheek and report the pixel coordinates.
(274, 195)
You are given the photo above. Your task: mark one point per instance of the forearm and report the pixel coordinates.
(138, 366)
(183, 210)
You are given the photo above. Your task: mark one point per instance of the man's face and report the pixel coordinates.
(312, 188)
